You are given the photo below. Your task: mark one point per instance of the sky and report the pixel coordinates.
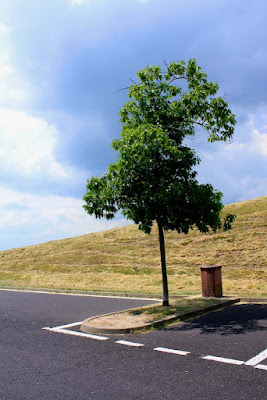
(62, 63)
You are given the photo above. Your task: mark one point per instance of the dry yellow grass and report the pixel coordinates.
(127, 260)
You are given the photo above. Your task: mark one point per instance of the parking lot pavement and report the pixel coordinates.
(58, 309)
(237, 332)
(235, 335)
(41, 363)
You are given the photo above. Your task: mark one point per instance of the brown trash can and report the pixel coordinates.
(211, 280)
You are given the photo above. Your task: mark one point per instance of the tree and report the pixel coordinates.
(153, 179)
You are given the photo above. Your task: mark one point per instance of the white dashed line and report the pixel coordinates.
(126, 343)
(74, 333)
(257, 359)
(223, 360)
(253, 362)
(172, 351)
(261, 366)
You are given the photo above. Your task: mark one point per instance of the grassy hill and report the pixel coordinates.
(126, 259)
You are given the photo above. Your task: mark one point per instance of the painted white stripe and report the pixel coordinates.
(257, 359)
(173, 351)
(126, 343)
(83, 295)
(261, 366)
(68, 325)
(73, 333)
(251, 362)
(223, 360)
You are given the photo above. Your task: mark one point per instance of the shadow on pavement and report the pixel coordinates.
(238, 319)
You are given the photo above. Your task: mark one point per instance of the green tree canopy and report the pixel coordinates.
(153, 178)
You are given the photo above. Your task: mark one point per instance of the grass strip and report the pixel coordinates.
(176, 307)
(149, 317)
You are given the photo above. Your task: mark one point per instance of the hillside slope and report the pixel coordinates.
(126, 259)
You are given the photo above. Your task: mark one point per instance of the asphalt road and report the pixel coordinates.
(42, 364)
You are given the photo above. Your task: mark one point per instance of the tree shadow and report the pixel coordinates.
(234, 320)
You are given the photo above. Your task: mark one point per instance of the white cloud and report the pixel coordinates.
(5, 68)
(14, 90)
(256, 140)
(26, 146)
(4, 29)
(78, 2)
(238, 169)
(31, 219)
(259, 142)
(252, 187)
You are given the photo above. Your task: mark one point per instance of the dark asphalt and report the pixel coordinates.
(38, 364)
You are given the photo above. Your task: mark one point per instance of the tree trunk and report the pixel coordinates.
(163, 266)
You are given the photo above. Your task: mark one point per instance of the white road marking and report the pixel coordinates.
(74, 333)
(261, 366)
(254, 362)
(126, 343)
(223, 360)
(173, 351)
(81, 294)
(69, 325)
(257, 359)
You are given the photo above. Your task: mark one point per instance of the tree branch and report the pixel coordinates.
(165, 63)
(200, 124)
(134, 82)
(127, 87)
(175, 78)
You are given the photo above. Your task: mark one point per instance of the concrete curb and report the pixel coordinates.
(87, 328)
(254, 299)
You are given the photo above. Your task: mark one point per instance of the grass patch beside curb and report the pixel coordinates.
(176, 307)
(143, 319)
